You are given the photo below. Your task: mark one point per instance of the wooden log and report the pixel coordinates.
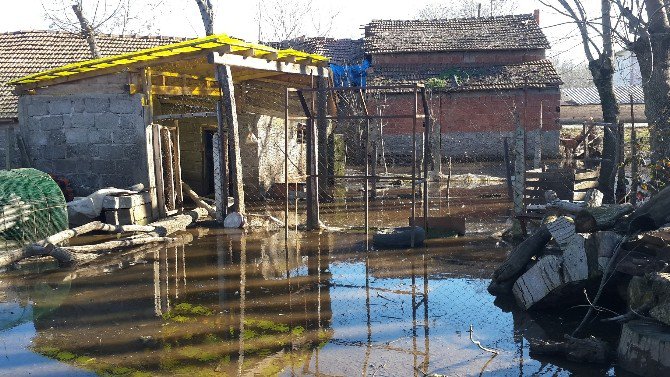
(651, 215)
(199, 202)
(168, 169)
(554, 275)
(652, 289)
(116, 244)
(589, 350)
(644, 348)
(177, 164)
(601, 218)
(594, 198)
(606, 243)
(575, 265)
(516, 262)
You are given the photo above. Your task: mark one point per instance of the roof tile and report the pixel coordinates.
(513, 32)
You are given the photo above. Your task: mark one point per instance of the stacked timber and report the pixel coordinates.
(581, 246)
(128, 209)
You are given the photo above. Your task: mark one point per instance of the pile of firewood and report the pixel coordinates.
(587, 245)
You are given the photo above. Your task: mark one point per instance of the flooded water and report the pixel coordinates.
(236, 304)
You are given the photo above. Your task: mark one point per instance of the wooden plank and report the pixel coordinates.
(177, 165)
(158, 169)
(265, 65)
(168, 169)
(229, 110)
(197, 91)
(585, 185)
(202, 114)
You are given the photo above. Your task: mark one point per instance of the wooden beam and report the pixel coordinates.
(254, 75)
(204, 114)
(265, 65)
(196, 91)
(177, 164)
(229, 110)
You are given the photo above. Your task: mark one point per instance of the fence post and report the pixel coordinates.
(519, 165)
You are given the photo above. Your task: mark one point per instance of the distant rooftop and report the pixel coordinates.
(514, 32)
(340, 51)
(590, 96)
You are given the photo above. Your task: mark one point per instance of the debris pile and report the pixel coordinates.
(582, 247)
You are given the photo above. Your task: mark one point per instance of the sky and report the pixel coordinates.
(345, 17)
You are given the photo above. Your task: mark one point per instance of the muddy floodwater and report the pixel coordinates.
(235, 304)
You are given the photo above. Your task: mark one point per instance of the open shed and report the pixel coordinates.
(210, 111)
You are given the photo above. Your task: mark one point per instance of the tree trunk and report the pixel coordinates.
(602, 70)
(652, 50)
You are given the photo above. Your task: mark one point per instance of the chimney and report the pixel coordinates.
(536, 14)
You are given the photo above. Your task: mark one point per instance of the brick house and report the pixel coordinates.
(479, 69)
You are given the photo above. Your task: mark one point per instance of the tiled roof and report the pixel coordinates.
(590, 96)
(26, 52)
(535, 74)
(340, 51)
(514, 32)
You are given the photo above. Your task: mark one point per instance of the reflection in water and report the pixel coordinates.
(254, 304)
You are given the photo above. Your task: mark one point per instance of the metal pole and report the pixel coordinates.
(286, 169)
(416, 105)
(367, 174)
(426, 135)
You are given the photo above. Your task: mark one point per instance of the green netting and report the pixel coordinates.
(32, 206)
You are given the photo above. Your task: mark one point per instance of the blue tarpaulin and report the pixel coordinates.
(350, 75)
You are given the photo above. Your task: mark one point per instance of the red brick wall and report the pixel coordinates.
(457, 58)
(482, 111)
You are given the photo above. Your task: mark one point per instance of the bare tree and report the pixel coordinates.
(281, 20)
(90, 18)
(574, 74)
(645, 32)
(466, 8)
(207, 14)
(596, 34)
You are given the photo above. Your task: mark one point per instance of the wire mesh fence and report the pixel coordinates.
(32, 207)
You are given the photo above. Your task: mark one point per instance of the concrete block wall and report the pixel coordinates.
(8, 144)
(94, 140)
(192, 154)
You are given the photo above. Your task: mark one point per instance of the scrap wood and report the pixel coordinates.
(592, 350)
(154, 232)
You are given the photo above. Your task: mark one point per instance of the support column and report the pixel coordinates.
(322, 130)
(227, 111)
(312, 172)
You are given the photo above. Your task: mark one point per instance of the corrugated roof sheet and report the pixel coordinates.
(590, 96)
(27, 52)
(535, 74)
(514, 32)
(340, 51)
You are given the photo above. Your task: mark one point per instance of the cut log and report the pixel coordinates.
(601, 218)
(589, 350)
(593, 198)
(555, 275)
(652, 290)
(644, 348)
(575, 264)
(606, 242)
(516, 262)
(539, 281)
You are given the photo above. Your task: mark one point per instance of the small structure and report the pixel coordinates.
(188, 111)
(479, 69)
(579, 105)
(26, 52)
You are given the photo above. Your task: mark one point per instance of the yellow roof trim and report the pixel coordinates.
(213, 42)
